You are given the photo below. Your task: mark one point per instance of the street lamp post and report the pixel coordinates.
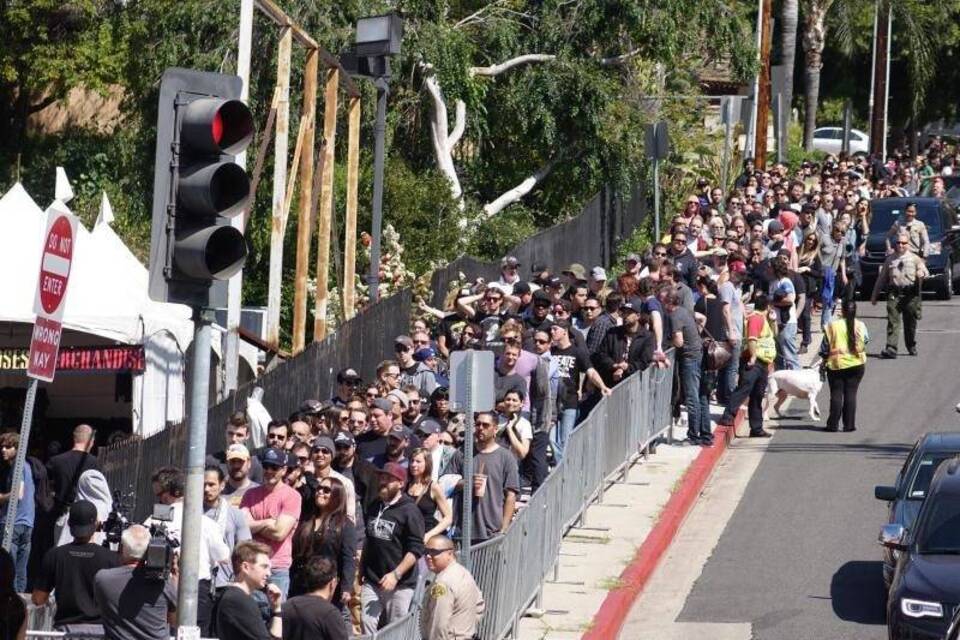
(378, 39)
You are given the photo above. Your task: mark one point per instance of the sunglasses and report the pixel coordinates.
(324, 489)
(275, 436)
(323, 450)
(480, 423)
(433, 553)
(373, 394)
(303, 458)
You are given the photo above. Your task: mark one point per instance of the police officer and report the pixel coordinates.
(454, 603)
(902, 275)
(915, 229)
(844, 349)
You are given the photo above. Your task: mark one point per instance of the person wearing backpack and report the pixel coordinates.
(760, 352)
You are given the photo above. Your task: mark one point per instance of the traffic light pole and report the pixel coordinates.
(380, 133)
(190, 539)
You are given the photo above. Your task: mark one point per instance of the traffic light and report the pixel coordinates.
(201, 126)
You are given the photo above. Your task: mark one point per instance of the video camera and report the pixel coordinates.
(118, 520)
(158, 560)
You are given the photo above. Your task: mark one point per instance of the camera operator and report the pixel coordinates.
(135, 605)
(236, 615)
(168, 487)
(69, 571)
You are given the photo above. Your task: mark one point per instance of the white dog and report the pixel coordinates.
(799, 383)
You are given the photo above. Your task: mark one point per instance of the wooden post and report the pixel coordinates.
(326, 205)
(279, 188)
(304, 226)
(763, 93)
(350, 235)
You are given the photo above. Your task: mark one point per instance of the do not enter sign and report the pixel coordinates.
(55, 265)
(55, 261)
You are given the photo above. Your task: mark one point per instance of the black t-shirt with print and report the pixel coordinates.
(572, 363)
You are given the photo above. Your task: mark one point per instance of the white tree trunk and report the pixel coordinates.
(497, 69)
(443, 140)
(513, 195)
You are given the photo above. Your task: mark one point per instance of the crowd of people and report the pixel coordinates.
(325, 531)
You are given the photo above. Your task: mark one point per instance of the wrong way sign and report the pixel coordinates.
(48, 304)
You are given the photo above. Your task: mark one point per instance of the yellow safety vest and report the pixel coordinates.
(766, 345)
(840, 356)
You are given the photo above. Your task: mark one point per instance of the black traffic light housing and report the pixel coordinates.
(197, 186)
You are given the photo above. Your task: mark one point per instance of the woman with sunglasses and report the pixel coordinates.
(329, 534)
(810, 267)
(428, 495)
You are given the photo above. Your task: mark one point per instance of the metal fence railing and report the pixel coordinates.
(511, 569)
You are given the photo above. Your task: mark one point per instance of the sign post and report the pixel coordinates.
(471, 390)
(55, 261)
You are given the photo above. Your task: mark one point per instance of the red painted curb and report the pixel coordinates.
(608, 621)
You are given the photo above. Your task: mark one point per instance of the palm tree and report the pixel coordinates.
(788, 45)
(814, 38)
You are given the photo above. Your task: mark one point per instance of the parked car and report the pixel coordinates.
(906, 495)
(943, 260)
(925, 590)
(830, 140)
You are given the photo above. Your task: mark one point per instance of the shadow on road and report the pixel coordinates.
(856, 591)
(869, 451)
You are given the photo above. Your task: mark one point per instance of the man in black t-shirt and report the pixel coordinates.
(69, 571)
(64, 472)
(572, 364)
(311, 616)
(236, 615)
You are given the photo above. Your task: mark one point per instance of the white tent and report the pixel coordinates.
(107, 297)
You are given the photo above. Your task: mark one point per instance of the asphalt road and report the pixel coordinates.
(799, 557)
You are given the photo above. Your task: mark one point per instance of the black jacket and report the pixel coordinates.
(612, 351)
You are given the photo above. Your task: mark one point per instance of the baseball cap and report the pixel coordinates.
(541, 298)
(83, 519)
(406, 341)
(632, 257)
(429, 426)
(400, 397)
(311, 407)
(538, 268)
(325, 442)
(348, 375)
(344, 439)
(274, 457)
(775, 226)
(509, 261)
(383, 404)
(397, 432)
(521, 288)
(629, 307)
(598, 273)
(292, 461)
(576, 269)
(737, 266)
(395, 470)
(554, 282)
(424, 354)
(237, 452)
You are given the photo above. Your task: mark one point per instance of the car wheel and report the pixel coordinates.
(946, 289)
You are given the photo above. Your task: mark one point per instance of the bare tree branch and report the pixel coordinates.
(443, 142)
(497, 69)
(476, 16)
(460, 124)
(526, 186)
(616, 60)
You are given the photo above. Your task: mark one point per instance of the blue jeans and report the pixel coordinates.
(281, 578)
(20, 550)
(566, 422)
(708, 380)
(727, 377)
(690, 381)
(788, 356)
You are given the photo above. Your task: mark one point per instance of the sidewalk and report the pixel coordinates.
(593, 556)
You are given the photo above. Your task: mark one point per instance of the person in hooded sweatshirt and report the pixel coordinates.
(393, 545)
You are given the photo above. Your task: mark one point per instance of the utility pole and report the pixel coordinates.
(881, 75)
(763, 85)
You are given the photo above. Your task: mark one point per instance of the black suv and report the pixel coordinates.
(943, 260)
(925, 590)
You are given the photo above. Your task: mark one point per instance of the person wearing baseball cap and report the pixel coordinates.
(397, 441)
(348, 380)
(573, 273)
(509, 274)
(70, 569)
(323, 454)
(393, 545)
(238, 465)
(274, 509)
(625, 349)
(598, 284)
(373, 442)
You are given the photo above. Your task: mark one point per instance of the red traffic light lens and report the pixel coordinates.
(217, 128)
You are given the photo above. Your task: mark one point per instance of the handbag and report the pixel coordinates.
(716, 355)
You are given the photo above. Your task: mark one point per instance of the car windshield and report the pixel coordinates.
(940, 531)
(884, 214)
(924, 474)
